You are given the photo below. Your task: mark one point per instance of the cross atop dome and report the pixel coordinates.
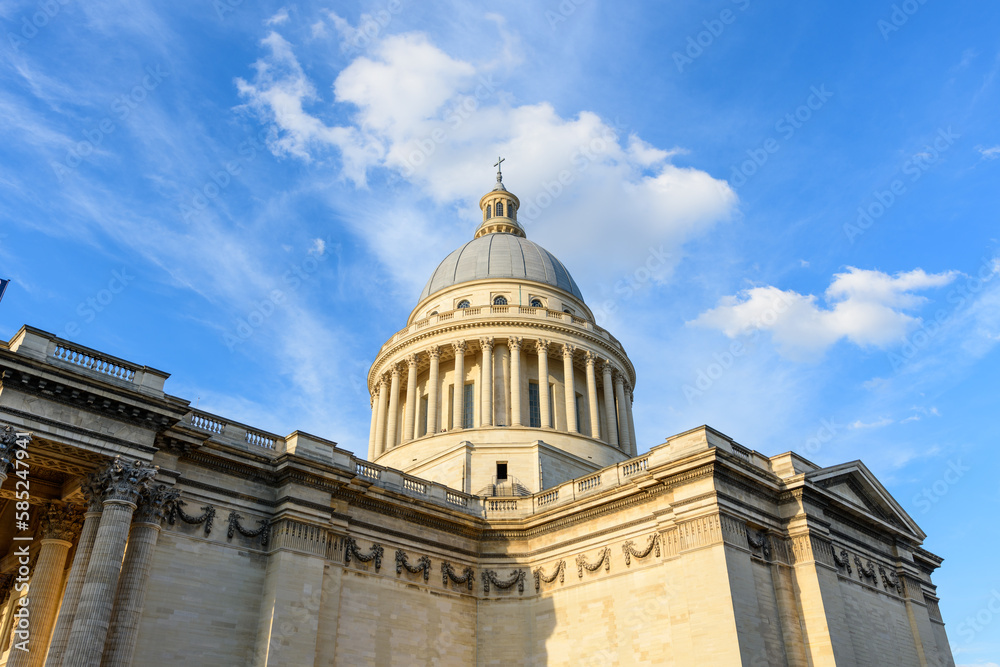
(499, 207)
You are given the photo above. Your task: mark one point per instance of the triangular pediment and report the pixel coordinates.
(856, 486)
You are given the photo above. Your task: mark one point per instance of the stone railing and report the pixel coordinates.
(64, 354)
(485, 312)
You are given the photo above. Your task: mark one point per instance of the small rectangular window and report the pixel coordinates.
(501, 470)
(468, 410)
(534, 409)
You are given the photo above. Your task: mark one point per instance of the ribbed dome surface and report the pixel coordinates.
(501, 256)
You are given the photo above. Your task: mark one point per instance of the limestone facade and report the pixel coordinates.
(159, 534)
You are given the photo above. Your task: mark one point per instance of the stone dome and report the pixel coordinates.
(501, 255)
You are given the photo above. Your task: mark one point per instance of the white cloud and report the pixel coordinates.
(864, 306)
(991, 153)
(318, 247)
(280, 17)
(438, 122)
(878, 423)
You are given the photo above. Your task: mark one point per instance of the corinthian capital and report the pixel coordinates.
(411, 361)
(568, 350)
(60, 521)
(459, 346)
(126, 480)
(434, 352)
(514, 343)
(542, 346)
(607, 368)
(589, 357)
(486, 343)
(154, 503)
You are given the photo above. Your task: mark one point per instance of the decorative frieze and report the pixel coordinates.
(263, 530)
(490, 577)
(842, 559)
(423, 565)
(603, 558)
(176, 511)
(808, 547)
(629, 549)
(865, 573)
(467, 577)
(890, 579)
(8, 447)
(559, 572)
(351, 551)
(700, 532)
(759, 543)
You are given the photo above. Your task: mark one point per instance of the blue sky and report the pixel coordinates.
(787, 214)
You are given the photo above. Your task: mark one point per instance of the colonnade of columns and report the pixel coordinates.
(102, 599)
(387, 396)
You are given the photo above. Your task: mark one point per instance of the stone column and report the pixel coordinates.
(623, 437)
(411, 397)
(609, 405)
(543, 381)
(486, 411)
(459, 384)
(373, 402)
(390, 425)
(631, 424)
(380, 421)
(595, 422)
(514, 344)
(131, 594)
(93, 491)
(93, 614)
(59, 524)
(433, 380)
(570, 388)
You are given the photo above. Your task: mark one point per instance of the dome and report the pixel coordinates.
(501, 256)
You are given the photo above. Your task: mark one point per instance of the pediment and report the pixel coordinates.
(854, 484)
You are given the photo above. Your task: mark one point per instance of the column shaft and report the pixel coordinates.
(90, 624)
(515, 380)
(43, 600)
(631, 424)
(595, 421)
(432, 390)
(383, 390)
(457, 417)
(543, 383)
(486, 409)
(131, 595)
(74, 584)
(570, 388)
(609, 406)
(391, 419)
(623, 435)
(411, 397)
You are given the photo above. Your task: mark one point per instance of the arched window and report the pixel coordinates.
(489, 211)
(510, 209)
(500, 301)
(567, 311)
(499, 209)
(464, 303)
(536, 303)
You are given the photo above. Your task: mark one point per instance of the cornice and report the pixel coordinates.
(125, 444)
